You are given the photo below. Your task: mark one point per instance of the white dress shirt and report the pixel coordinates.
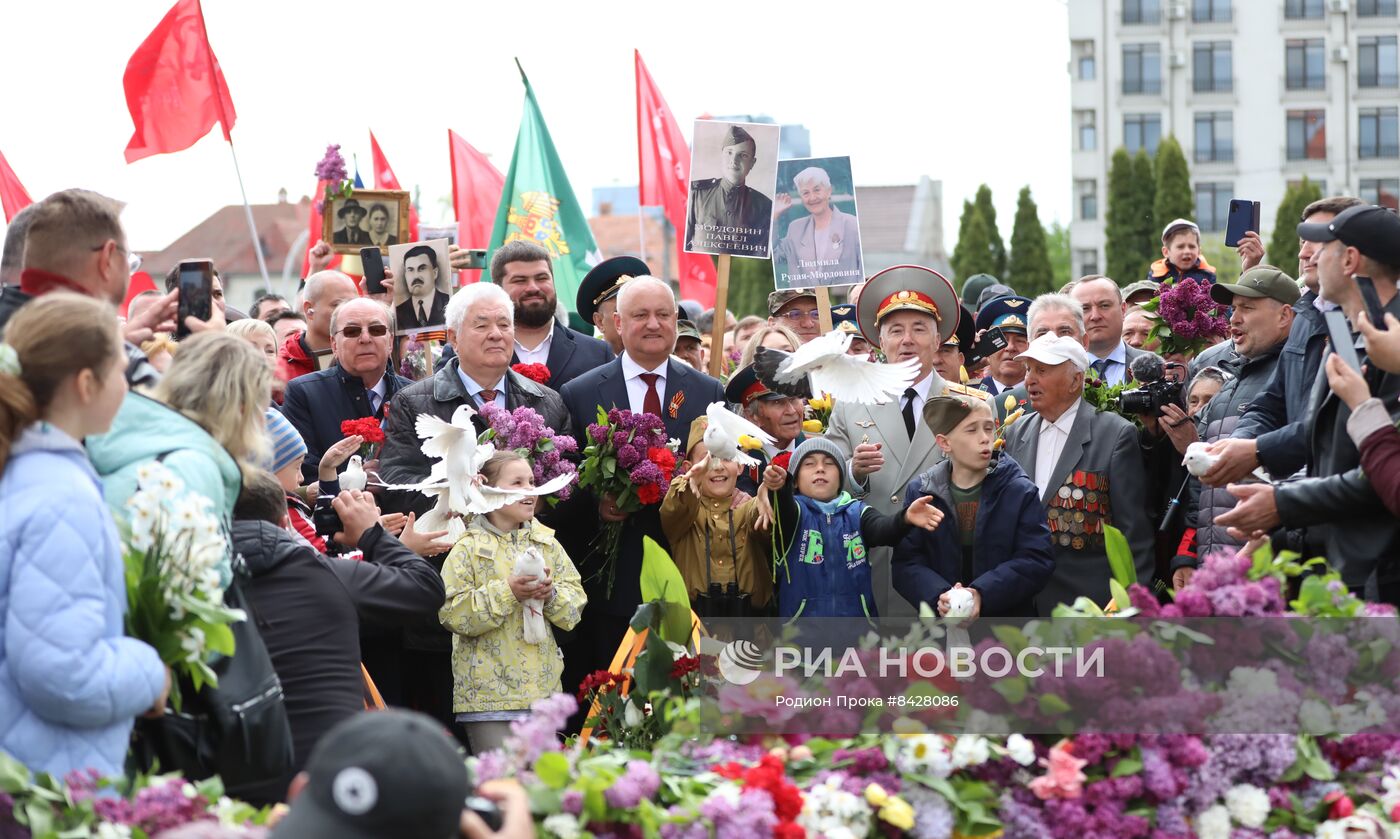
(1117, 368)
(1051, 445)
(379, 389)
(921, 389)
(637, 388)
(540, 354)
(473, 389)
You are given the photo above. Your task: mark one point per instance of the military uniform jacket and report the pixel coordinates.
(734, 220)
(1099, 480)
(905, 459)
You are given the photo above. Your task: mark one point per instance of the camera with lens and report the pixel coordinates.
(1155, 389)
(325, 519)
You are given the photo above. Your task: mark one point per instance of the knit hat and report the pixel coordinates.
(287, 444)
(812, 445)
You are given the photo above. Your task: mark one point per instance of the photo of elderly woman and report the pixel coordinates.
(816, 214)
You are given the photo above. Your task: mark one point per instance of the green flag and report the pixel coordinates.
(538, 205)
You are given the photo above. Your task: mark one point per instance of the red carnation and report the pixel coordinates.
(789, 830)
(683, 666)
(537, 373)
(782, 460)
(665, 459)
(366, 427)
(650, 493)
(1342, 805)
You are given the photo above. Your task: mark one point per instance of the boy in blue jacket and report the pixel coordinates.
(996, 542)
(823, 569)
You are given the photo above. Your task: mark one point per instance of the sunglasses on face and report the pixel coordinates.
(376, 330)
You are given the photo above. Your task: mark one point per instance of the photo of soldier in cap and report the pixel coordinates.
(732, 213)
(363, 218)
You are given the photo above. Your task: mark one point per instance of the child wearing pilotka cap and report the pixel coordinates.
(994, 540)
(1181, 255)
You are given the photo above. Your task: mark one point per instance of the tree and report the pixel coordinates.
(1146, 179)
(973, 253)
(1128, 218)
(956, 260)
(1283, 244)
(750, 281)
(1172, 198)
(1028, 266)
(984, 205)
(1057, 250)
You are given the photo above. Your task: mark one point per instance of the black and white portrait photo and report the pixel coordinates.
(730, 209)
(422, 284)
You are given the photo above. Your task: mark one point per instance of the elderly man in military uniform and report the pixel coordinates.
(726, 216)
(909, 312)
(1009, 314)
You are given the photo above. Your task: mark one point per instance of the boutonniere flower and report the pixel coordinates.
(676, 401)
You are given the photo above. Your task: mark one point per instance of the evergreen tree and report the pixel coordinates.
(984, 205)
(956, 260)
(974, 249)
(1145, 189)
(1283, 244)
(1058, 252)
(1122, 227)
(1028, 266)
(1172, 198)
(750, 281)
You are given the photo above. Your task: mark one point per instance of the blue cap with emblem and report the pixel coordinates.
(1007, 312)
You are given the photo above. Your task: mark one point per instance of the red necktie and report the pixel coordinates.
(652, 403)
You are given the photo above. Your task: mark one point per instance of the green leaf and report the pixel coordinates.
(553, 769)
(1127, 766)
(1012, 690)
(1052, 705)
(1013, 638)
(1120, 556)
(1120, 595)
(662, 581)
(14, 776)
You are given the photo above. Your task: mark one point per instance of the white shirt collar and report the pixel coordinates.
(1066, 421)
(543, 348)
(922, 386)
(1119, 354)
(473, 388)
(379, 387)
(631, 369)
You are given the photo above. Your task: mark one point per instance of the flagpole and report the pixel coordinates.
(252, 227)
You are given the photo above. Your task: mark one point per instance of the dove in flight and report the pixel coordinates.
(459, 455)
(728, 435)
(491, 498)
(531, 563)
(822, 366)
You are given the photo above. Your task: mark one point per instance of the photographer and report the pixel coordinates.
(1259, 326)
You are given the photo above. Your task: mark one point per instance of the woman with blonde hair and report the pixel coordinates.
(70, 681)
(204, 422)
(773, 336)
(261, 335)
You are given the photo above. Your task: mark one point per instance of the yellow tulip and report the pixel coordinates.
(1010, 402)
(898, 812)
(812, 426)
(876, 795)
(749, 443)
(1012, 417)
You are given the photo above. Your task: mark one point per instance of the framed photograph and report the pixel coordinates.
(367, 217)
(816, 239)
(734, 171)
(422, 285)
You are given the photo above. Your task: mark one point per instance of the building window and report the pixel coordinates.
(1307, 135)
(1142, 131)
(1375, 62)
(1215, 137)
(1212, 67)
(1142, 11)
(1304, 60)
(1300, 9)
(1380, 132)
(1084, 60)
(1086, 126)
(1212, 204)
(1142, 68)
(1210, 11)
(1375, 8)
(1088, 261)
(1088, 193)
(1382, 191)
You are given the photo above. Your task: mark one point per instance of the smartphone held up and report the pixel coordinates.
(196, 293)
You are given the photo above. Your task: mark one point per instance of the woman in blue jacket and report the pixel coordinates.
(994, 538)
(70, 683)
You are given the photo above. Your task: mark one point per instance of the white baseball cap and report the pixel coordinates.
(1057, 349)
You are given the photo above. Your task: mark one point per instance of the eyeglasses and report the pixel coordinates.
(376, 330)
(799, 315)
(133, 260)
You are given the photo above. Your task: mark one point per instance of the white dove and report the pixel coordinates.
(726, 433)
(354, 477)
(459, 455)
(531, 563)
(1199, 460)
(441, 516)
(847, 378)
(494, 498)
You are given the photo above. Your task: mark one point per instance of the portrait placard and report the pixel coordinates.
(733, 169)
(816, 240)
(422, 284)
(366, 217)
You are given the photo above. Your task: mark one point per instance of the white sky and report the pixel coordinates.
(964, 92)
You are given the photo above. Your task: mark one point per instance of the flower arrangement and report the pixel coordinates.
(330, 170)
(370, 429)
(537, 373)
(175, 598)
(523, 430)
(419, 357)
(818, 414)
(629, 458)
(1185, 318)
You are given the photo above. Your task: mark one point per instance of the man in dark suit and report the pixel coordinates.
(643, 378)
(352, 212)
(524, 270)
(1102, 301)
(1088, 468)
(726, 216)
(357, 385)
(424, 304)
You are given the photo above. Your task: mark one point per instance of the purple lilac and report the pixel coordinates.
(753, 816)
(1021, 820)
(332, 166)
(157, 807)
(933, 818)
(571, 802)
(638, 782)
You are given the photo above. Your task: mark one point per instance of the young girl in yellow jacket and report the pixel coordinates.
(496, 672)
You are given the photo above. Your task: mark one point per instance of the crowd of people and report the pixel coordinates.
(995, 475)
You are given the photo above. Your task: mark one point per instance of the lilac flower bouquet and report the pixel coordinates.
(330, 171)
(523, 430)
(1186, 319)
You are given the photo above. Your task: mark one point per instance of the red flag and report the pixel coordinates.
(315, 230)
(663, 161)
(476, 193)
(174, 87)
(384, 179)
(140, 281)
(12, 193)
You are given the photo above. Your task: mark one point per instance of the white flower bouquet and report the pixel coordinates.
(175, 597)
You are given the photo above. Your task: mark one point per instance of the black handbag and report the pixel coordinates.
(237, 730)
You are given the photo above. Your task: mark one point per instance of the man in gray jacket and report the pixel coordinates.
(1088, 468)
